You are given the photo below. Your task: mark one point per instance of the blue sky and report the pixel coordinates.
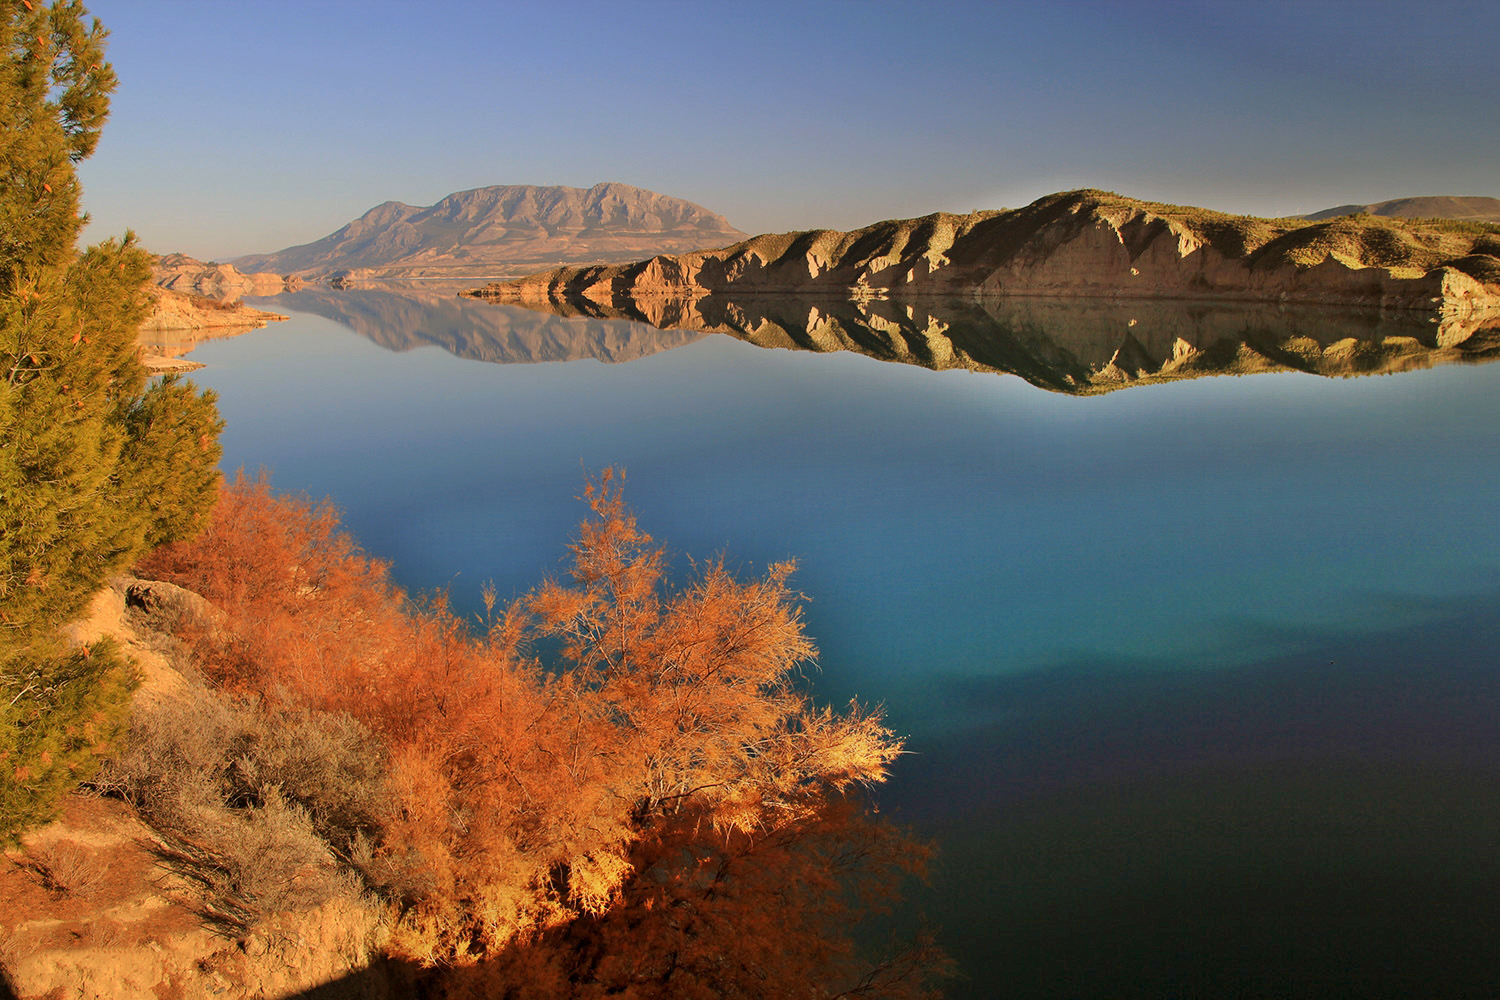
(248, 127)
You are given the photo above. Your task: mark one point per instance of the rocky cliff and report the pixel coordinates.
(1078, 244)
(181, 273)
(179, 321)
(503, 230)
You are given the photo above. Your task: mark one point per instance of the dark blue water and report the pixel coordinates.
(1198, 679)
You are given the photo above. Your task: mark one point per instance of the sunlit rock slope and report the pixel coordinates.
(1078, 244)
(181, 273)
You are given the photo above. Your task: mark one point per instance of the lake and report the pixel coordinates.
(1198, 678)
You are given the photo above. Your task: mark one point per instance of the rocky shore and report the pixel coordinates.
(193, 302)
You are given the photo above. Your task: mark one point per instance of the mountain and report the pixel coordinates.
(1077, 244)
(504, 230)
(1430, 207)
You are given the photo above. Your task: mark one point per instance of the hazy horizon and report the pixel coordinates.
(235, 133)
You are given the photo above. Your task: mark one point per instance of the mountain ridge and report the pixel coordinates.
(1085, 244)
(509, 228)
(1468, 209)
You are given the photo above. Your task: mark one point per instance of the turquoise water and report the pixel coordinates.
(1198, 679)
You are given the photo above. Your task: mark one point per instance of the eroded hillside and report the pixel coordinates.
(1079, 244)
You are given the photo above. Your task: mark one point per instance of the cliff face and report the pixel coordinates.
(506, 229)
(1076, 244)
(179, 321)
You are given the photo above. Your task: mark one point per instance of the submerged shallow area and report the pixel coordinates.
(1197, 678)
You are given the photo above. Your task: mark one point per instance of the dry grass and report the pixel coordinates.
(65, 868)
(1407, 245)
(12, 951)
(255, 809)
(246, 866)
(208, 302)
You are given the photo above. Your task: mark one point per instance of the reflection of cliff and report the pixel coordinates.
(1079, 346)
(1064, 345)
(403, 319)
(180, 321)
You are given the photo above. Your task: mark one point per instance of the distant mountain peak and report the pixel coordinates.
(505, 229)
(1473, 208)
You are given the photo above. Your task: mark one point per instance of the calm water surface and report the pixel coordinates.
(1199, 679)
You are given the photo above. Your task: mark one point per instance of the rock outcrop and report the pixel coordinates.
(179, 321)
(1078, 244)
(502, 230)
(172, 310)
(182, 273)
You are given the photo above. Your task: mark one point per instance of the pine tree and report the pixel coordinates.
(95, 465)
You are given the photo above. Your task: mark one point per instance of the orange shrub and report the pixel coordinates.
(664, 785)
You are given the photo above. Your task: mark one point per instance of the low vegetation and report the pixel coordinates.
(253, 806)
(615, 785)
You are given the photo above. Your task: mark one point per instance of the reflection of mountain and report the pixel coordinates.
(1079, 347)
(403, 319)
(1063, 345)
